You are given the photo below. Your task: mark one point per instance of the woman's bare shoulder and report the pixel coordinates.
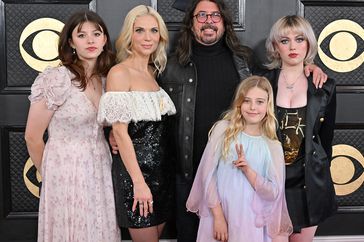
(118, 78)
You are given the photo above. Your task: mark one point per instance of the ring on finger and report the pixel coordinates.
(150, 202)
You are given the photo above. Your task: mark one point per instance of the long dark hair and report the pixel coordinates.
(104, 61)
(184, 47)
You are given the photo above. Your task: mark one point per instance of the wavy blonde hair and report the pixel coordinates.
(237, 122)
(124, 43)
(281, 27)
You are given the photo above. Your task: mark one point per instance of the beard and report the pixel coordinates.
(208, 39)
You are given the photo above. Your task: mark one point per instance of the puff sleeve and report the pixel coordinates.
(53, 85)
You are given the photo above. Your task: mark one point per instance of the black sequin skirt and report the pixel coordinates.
(150, 143)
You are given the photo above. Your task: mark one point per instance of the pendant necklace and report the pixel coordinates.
(91, 80)
(290, 86)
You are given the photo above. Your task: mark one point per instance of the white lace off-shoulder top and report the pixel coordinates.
(134, 106)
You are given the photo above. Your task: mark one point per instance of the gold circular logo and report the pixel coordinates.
(342, 31)
(350, 46)
(44, 44)
(34, 189)
(46, 50)
(343, 169)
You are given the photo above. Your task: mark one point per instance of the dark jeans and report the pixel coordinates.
(186, 222)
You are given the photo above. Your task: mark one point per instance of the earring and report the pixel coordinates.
(73, 51)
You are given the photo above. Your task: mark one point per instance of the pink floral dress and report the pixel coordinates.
(77, 201)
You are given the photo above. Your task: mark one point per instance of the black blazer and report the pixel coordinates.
(319, 132)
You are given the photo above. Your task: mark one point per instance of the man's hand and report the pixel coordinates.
(319, 77)
(113, 144)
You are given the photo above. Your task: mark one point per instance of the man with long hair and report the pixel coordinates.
(200, 77)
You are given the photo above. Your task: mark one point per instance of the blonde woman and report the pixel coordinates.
(138, 110)
(306, 118)
(238, 191)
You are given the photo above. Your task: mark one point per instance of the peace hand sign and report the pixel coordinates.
(241, 162)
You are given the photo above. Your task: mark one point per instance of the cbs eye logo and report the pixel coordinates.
(347, 169)
(31, 182)
(341, 38)
(43, 34)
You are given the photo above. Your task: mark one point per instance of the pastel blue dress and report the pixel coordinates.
(256, 213)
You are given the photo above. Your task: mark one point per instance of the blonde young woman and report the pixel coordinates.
(306, 118)
(138, 110)
(238, 191)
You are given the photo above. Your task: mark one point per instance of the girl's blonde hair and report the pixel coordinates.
(124, 43)
(296, 24)
(237, 122)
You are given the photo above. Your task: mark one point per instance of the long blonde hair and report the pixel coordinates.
(123, 43)
(237, 122)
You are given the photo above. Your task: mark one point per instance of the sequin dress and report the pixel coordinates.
(147, 115)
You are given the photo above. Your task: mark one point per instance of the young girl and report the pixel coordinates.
(238, 191)
(76, 202)
(306, 118)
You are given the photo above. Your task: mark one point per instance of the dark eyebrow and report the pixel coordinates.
(95, 30)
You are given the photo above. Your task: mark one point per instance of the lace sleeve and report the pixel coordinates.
(53, 85)
(134, 106)
(115, 107)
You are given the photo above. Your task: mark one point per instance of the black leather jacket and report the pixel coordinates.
(319, 132)
(180, 82)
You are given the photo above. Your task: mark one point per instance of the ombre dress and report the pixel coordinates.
(147, 115)
(257, 214)
(76, 199)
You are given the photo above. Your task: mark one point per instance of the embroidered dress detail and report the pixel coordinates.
(134, 106)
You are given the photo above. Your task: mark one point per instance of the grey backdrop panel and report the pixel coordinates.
(21, 199)
(174, 17)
